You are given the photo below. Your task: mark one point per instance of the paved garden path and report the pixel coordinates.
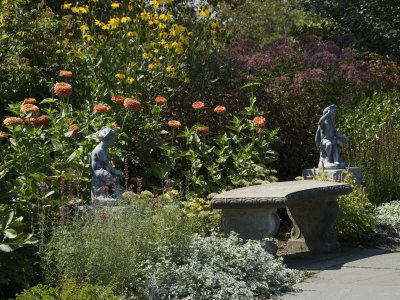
(352, 273)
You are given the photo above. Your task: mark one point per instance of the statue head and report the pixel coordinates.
(108, 136)
(332, 109)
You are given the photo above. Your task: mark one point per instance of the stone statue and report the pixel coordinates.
(328, 140)
(105, 178)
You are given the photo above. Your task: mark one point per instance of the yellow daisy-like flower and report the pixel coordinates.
(204, 13)
(133, 33)
(87, 37)
(102, 38)
(114, 23)
(120, 76)
(215, 43)
(130, 80)
(115, 5)
(145, 15)
(84, 27)
(125, 20)
(187, 80)
(66, 5)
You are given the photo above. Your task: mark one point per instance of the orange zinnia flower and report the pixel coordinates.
(26, 108)
(65, 74)
(198, 105)
(30, 121)
(12, 121)
(3, 135)
(161, 100)
(117, 99)
(42, 120)
(203, 129)
(220, 109)
(30, 101)
(132, 104)
(174, 123)
(75, 129)
(259, 121)
(98, 133)
(63, 89)
(101, 108)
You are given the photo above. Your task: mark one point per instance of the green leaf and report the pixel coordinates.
(49, 194)
(56, 144)
(48, 100)
(69, 133)
(10, 233)
(5, 248)
(72, 156)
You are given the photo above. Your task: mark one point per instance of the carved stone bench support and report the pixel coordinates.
(313, 224)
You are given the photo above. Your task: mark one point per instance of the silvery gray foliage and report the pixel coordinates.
(387, 217)
(219, 268)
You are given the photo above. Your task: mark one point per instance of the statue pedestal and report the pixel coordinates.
(335, 174)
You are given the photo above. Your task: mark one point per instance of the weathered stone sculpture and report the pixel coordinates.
(328, 140)
(105, 178)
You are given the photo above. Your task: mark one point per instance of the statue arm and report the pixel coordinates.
(340, 136)
(323, 118)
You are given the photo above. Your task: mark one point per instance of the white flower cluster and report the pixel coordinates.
(387, 219)
(220, 268)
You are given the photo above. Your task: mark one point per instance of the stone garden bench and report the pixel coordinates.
(311, 205)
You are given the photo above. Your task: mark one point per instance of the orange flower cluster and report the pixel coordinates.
(30, 121)
(132, 104)
(220, 109)
(259, 121)
(117, 99)
(161, 100)
(174, 123)
(101, 108)
(30, 101)
(198, 105)
(26, 108)
(65, 74)
(203, 129)
(260, 131)
(42, 121)
(12, 121)
(63, 89)
(116, 126)
(3, 135)
(75, 129)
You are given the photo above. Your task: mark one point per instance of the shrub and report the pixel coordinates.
(387, 219)
(68, 290)
(219, 268)
(355, 218)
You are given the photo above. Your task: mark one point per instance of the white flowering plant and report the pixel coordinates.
(387, 219)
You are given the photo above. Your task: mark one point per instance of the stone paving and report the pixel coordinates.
(351, 273)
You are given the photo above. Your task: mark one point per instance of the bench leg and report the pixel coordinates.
(252, 224)
(313, 225)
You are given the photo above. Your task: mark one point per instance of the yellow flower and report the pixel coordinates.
(99, 23)
(204, 13)
(114, 23)
(145, 15)
(215, 43)
(134, 63)
(125, 19)
(83, 9)
(87, 37)
(133, 33)
(115, 5)
(156, 4)
(170, 69)
(84, 27)
(120, 76)
(155, 50)
(130, 80)
(102, 38)
(66, 5)
(187, 80)
(147, 54)
(162, 25)
(75, 10)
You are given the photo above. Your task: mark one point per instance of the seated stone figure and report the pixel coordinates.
(328, 140)
(105, 178)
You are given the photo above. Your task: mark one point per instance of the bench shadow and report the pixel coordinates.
(319, 261)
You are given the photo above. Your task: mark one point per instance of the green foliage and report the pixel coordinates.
(220, 268)
(387, 219)
(262, 20)
(355, 218)
(68, 290)
(373, 145)
(375, 23)
(93, 247)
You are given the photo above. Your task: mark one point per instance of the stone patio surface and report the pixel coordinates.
(351, 273)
